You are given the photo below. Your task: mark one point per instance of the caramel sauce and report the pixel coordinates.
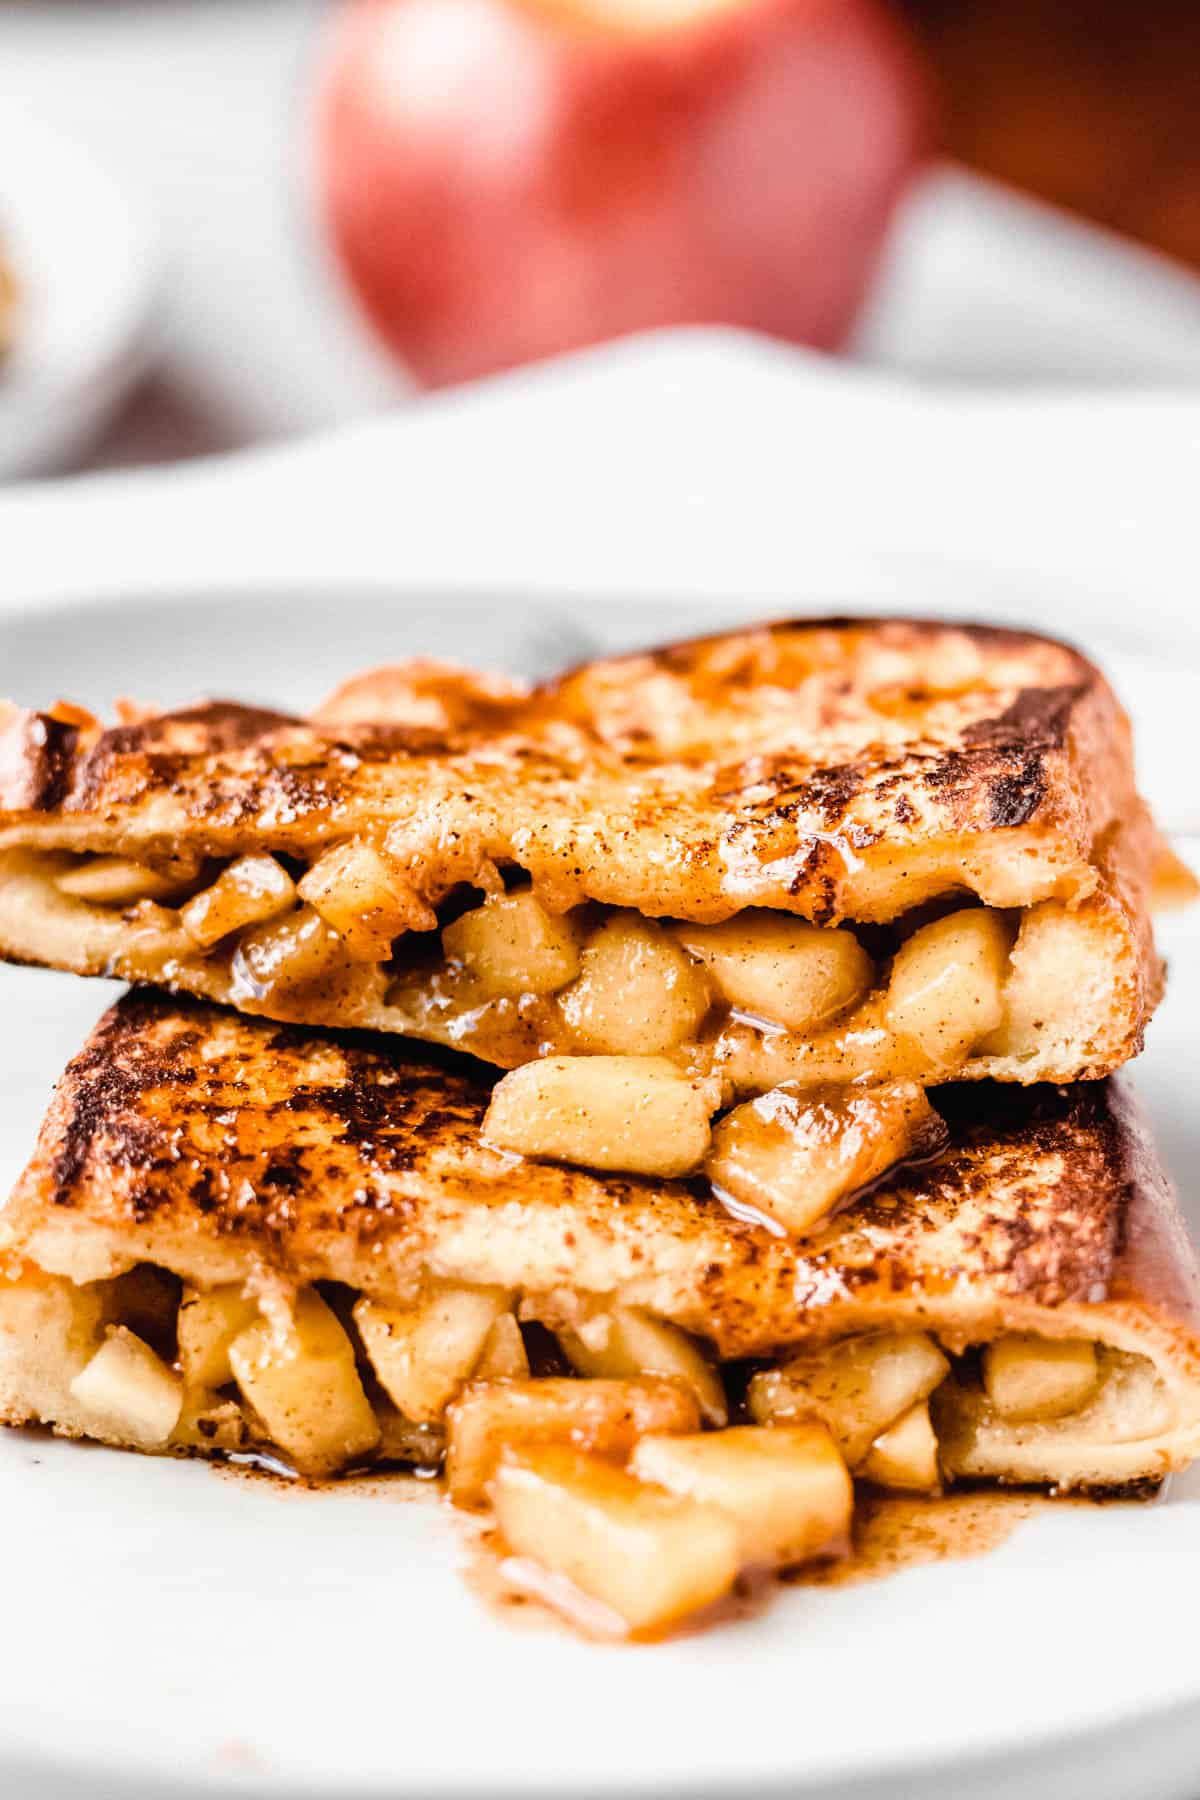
(893, 1532)
(269, 1473)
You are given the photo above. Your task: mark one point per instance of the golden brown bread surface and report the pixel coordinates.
(202, 1140)
(234, 1150)
(826, 769)
(846, 770)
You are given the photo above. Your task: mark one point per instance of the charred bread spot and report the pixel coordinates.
(1038, 716)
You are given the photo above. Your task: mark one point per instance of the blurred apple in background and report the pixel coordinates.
(505, 179)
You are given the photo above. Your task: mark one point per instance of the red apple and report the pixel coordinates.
(505, 179)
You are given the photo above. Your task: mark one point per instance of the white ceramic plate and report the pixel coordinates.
(87, 277)
(172, 1631)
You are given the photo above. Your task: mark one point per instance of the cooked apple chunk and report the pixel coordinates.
(1028, 1378)
(781, 969)
(157, 940)
(116, 881)
(639, 1114)
(605, 1418)
(862, 1047)
(296, 955)
(638, 993)
(646, 1555)
(208, 1323)
(49, 1330)
(504, 1355)
(513, 946)
(357, 892)
(249, 890)
(794, 1152)
(947, 986)
(859, 1386)
(629, 1341)
(129, 1392)
(905, 1456)
(786, 1487)
(301, 1380)
(424, 1353)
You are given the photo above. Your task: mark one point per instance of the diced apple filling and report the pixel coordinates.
(794, 1153)
(605, 1418)
(1034, 1378)
(505, 1357)
(118, 881)
(302, 1382)
(629, 1341)
(424, 1353)
(635, 1113)
(647, 1556)
(786, 1487)
(781, 969)
(356, 892)
(513, 946)
(290, 958)
(209, 1321)
(604, 1479)
(638, 993)
(947, 986)
(129, 1392)
(745, 1006)
(250, 890)
(905, 1456)
(859, 1386)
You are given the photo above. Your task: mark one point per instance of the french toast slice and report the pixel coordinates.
(249, 1207)
(811, 853)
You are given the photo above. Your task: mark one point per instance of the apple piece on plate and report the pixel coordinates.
(605, 1418)
(508, 179)
(649, 1557)
(786, 1487)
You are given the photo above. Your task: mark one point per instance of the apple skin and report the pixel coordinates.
(504, 181)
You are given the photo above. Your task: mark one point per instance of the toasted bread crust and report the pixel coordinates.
(836, 770)
(228, 1150)
(831, 769)
(210, 1143)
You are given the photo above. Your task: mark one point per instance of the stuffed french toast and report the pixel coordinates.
(238, 1237)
